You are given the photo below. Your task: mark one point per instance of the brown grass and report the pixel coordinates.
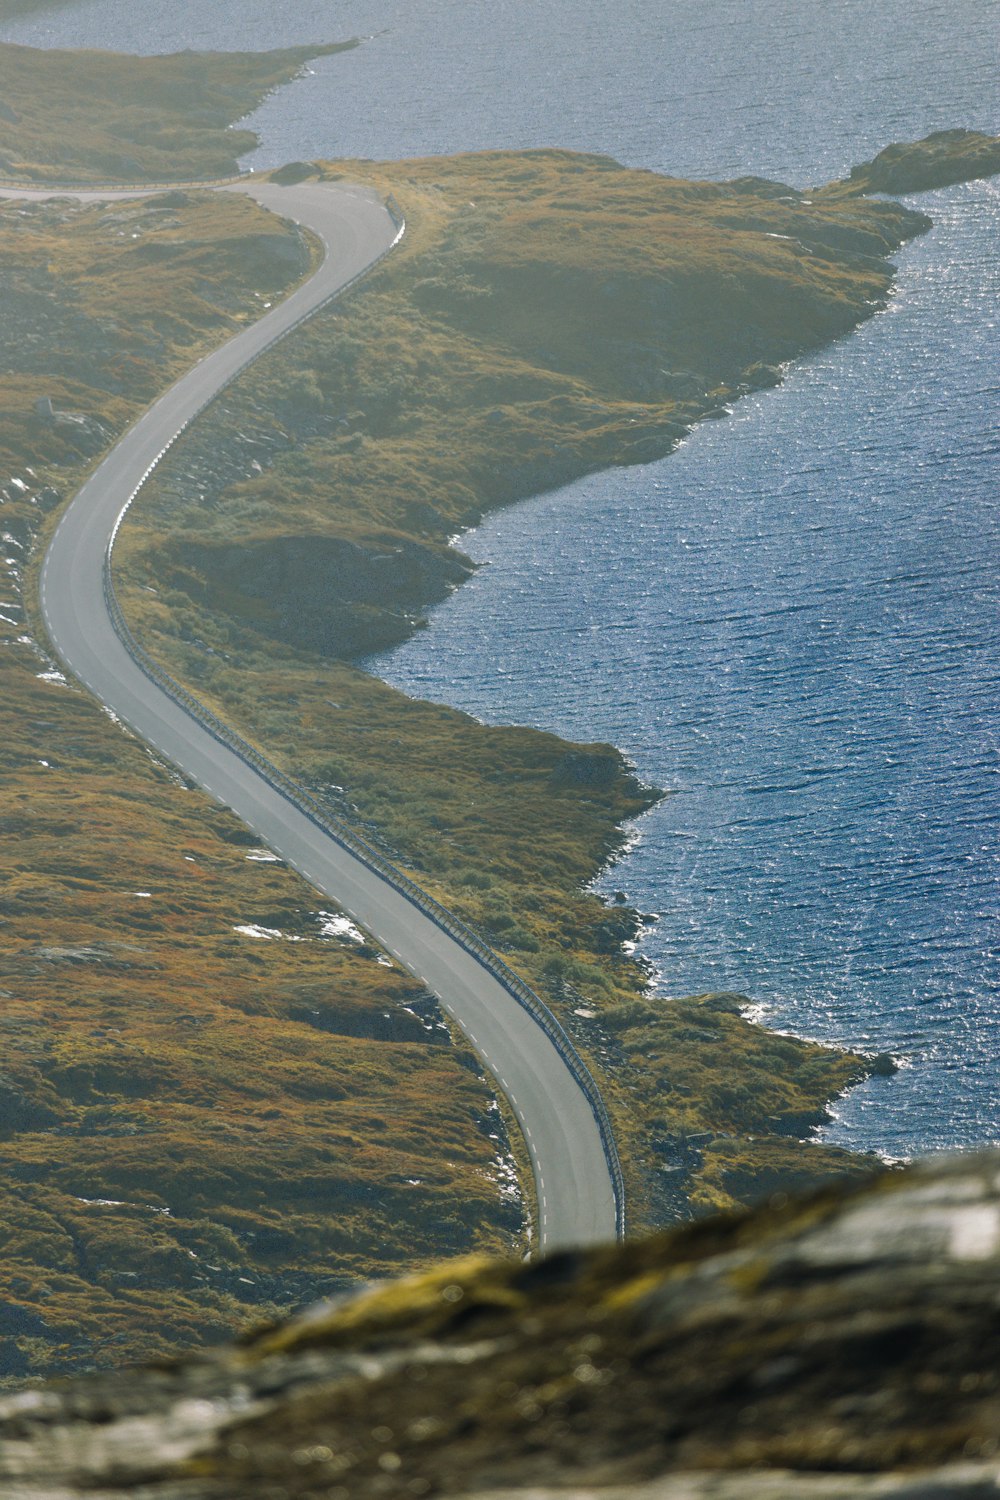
(104, 117)
(196, 1125)
(547, 314)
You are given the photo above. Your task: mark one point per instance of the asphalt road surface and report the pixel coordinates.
(575, 1193)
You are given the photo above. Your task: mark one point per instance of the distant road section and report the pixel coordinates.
(576, 1197)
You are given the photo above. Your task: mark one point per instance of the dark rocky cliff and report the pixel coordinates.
(841, 1345)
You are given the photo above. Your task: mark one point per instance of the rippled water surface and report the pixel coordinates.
(792, 622)
(797, 89)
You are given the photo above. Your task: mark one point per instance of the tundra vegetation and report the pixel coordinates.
(198, 1120)
(546, 314)
(214, 1100)
(106, 117)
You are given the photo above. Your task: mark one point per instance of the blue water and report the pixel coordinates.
(797, 89)
(793, 624)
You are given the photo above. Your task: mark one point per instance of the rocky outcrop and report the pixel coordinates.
(940, 159)
(86, 434)
(841, 1345)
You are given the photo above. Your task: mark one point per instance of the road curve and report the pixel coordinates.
(576, 1196)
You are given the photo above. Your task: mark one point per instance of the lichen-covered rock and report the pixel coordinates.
(952, 1482)
(841, 1345)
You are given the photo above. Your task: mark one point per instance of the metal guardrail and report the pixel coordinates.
(334, 827)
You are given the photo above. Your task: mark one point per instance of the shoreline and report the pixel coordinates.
(548, 785)
(874, 1104)
(170, 538)
(758, 1013)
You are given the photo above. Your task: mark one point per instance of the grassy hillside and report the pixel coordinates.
(213, 1098)
(547, 314)
(104, 304)
(105, 117)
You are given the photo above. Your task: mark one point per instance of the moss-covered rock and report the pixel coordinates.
(836, 1346)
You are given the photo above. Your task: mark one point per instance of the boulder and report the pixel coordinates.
(842, 1345)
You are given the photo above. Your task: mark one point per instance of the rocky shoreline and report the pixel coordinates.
(940, 160)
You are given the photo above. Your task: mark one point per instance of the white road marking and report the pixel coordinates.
(573, 1141)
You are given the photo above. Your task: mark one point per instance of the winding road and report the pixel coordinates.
(576, 1193)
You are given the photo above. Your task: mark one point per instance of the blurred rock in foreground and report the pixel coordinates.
(837, 1346)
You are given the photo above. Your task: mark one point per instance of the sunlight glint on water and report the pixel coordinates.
(803, 602)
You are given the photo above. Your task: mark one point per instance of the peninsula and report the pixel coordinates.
(546, 314)
(99, 117)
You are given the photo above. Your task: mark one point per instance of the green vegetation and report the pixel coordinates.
(196, 1123)
(547, 314)
(103, 117)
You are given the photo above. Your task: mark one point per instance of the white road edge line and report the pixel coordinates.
(557, 1092)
